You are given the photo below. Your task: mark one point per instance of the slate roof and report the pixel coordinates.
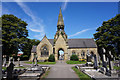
(51, 41)
(33, 49)
(74, 43)
(79, 43)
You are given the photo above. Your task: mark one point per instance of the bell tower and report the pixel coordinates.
(60, 23)
(60, 28)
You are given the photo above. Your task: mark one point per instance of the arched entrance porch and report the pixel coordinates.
(61, 54)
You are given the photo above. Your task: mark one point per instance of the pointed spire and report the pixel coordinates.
(60, 19)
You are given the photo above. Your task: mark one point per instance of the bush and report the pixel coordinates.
(51, 58)
(74, 58)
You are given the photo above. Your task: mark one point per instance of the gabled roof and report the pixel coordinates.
(33, 49)
(79, 43)
(51, 41)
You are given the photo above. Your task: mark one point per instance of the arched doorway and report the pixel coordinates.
(60, 54)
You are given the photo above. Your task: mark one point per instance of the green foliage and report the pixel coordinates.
(117, 68)
(14, 34)
(74, 58)
(75, 62)
(26, 49)
(108, 36)
(51, 58)
(81, 75)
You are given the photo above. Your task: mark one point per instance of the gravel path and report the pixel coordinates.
(62, 70)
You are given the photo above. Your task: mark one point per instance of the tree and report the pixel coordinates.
(26, 49)
(14, 34)
(108, 36)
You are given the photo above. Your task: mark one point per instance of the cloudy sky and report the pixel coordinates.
(80, 18)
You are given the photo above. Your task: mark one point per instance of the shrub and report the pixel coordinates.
(51, 58)
(74, 58)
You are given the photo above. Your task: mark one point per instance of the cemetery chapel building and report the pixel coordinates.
(80, 47)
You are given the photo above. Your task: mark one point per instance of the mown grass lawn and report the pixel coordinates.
(75, 62)
(19, 67)
(41, 62)
(81, 75)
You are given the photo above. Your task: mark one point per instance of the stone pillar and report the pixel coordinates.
(56, 56)
(65, 56)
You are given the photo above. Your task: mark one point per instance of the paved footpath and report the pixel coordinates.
(62, 70)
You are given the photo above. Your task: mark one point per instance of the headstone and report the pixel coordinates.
(104, 58)
(13, 61)
(95, 62)
(33, 62)
(111, 64)
(9, 71)
(9, 61)
(88, 56)
(36, 61)
(103, 50)
(18, 62)
(4, 62)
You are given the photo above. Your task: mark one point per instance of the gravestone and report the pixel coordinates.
(36, 61)
(104, 61)
(13, 61)
(88, 56)
(18, 62)
(33, 62)
(4, 62)
(95, 62)
(9, 61)
(9, 71)
(99, 60)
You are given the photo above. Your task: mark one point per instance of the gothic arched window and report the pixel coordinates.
(73, 52)
(44, 51)
(83, 54)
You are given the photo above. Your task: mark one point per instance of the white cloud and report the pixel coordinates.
(36, 25)
(64, 5)
(77, 33)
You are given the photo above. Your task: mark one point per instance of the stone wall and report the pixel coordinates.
(61, 44)
(78, 51)
(44, 41)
